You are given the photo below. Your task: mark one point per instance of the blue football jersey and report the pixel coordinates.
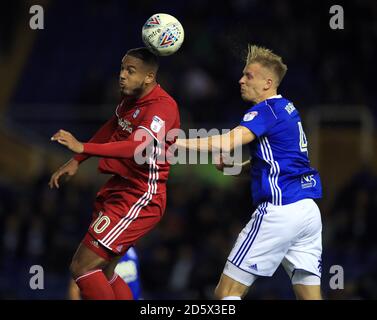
(280, 168)
(128, 269)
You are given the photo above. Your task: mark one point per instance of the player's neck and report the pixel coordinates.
(134, 98)
(266, 95)
(147, 90)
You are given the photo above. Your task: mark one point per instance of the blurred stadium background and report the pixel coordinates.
(65, 76)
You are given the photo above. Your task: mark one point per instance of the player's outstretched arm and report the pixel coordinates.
(224, 142)
(117, 149)
(70, 168)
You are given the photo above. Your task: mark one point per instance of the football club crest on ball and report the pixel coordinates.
(250, 116)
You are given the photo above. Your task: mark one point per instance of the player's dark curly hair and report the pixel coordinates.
(146, 56)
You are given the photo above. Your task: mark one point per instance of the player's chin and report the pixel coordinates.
(130, 92)
(247, 98)
(244, 97)
(124, 91)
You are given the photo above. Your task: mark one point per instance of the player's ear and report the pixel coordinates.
(150, 77)
(269, 83)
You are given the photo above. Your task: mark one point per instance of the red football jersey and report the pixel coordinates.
(157, 113)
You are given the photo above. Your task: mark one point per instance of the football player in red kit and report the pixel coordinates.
(133, 200)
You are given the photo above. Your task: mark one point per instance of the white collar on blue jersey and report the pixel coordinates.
(275, 97)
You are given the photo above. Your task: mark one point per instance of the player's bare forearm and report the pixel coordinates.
(225, 142)
(205, 144)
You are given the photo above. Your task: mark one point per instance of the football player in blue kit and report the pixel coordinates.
(286, 227)
(128, 269)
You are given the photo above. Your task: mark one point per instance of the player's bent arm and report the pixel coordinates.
(225, 142)
(118, 149)
(136, 143)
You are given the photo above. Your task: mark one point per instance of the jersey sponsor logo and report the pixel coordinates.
(136, 113)
(125, 125)
(250, 116)
(290, 108)
(157, 124)
(308, 181)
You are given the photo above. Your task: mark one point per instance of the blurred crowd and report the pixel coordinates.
(76, 66)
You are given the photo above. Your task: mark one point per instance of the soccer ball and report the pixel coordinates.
(163, 34)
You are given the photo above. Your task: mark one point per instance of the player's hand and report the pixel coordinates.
(70, 168)
(218, 161)
(181, 143)
(67, 139)
(221, 162)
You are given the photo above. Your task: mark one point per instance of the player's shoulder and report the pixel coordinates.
(277, 101)
(163, 101)
(281, 105)
(165, 97)
(278, 106)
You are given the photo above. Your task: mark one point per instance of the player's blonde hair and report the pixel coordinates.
(267, 59)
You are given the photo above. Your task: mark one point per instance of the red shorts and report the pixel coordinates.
(121, 216)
